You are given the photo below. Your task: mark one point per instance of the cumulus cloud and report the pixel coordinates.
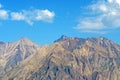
(3, 14)
(103, 16)
(17, 16)
(29, 16)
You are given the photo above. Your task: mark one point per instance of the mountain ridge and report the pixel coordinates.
(61, 38)
(67, 58)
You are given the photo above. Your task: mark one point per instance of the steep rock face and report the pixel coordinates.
(11, 54)
(71, 59)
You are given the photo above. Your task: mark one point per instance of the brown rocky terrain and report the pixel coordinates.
(67, 58)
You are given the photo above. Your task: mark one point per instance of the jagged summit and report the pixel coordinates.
(25, 41)
(63, 37)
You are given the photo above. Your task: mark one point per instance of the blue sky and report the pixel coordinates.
(44, 21)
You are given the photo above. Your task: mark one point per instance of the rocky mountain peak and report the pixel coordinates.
(62, 38)
(67, 38)
(25, 41)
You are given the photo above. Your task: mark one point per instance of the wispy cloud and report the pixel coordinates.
(102, 16)
(30, 16)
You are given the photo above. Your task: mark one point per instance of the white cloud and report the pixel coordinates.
(3, 14)
(114, 1)
(105, 16)
(30, 16)
(118, 1)
(17, 16)
(110, 1)
(44, 15)
(90, 24)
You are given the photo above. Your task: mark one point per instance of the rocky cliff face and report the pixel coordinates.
(71, 58)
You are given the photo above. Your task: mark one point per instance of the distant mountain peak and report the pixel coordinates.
(62, 38)
(25, 40)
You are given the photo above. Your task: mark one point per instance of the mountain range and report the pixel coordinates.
(67, 58)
